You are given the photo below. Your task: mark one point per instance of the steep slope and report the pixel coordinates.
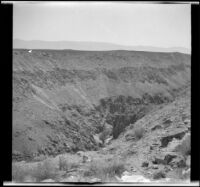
(164, 146)
(160, 154)
(61, 98)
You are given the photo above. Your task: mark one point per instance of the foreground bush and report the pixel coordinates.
(41, 171)
(45, 170)
(179, 173)
(104, 170)
(67, 163)
(18, 173)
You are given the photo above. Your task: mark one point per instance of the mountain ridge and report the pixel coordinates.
(90, 46)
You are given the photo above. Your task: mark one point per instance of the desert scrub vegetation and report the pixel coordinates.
(66, 163)
(105, 170)
(139, 132)
(35, 173)
(179, 173)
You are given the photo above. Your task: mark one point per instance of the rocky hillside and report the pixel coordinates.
(154, 149)
(61, 99)
(163, 148)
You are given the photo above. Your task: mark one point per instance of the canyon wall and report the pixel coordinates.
(61, 98)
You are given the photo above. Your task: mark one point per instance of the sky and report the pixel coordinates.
(158, 25)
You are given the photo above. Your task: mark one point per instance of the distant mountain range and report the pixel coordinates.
(90, 46)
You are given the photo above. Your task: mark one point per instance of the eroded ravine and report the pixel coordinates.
(61, 99)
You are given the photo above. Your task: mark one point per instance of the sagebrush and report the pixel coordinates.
(67, 163)
(139, 132)
(41, 171)
(105, 170)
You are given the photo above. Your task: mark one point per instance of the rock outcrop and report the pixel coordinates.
(169, 137)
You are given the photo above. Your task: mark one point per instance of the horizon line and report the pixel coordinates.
(122, 45)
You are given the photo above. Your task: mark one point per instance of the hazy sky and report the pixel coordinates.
(159, 25)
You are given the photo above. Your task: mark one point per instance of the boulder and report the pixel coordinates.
(171, 145)
(169, 157)
(164, 159)
(169, 137)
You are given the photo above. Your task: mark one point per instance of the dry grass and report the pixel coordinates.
(45, 170)
(67, 163)
(41, 171)
(18, 173)
(48, 169)
(105, 170)
(178, 173)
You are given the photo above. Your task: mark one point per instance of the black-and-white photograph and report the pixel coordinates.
(101, 92)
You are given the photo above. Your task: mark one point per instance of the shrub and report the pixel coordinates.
(105, 170)
(179, 173)
(139, 132)
(18, 173)
(43, 170)
(66, 163)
